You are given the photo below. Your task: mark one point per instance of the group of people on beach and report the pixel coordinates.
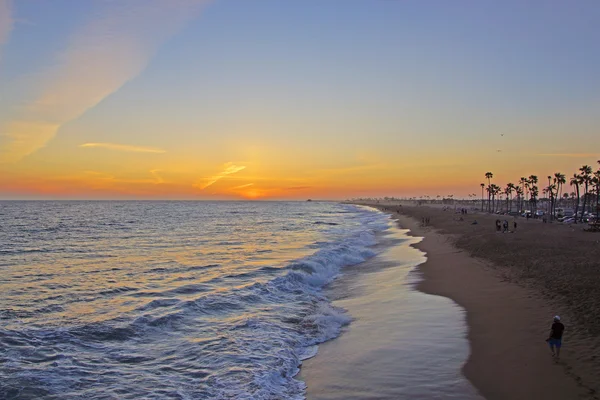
(502, 226)
(424, 221)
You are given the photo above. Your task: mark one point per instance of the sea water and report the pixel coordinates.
(171, 300)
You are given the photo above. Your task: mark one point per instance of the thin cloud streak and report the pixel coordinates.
(158, 179)
(99, 59)
(124, 147)
(230, 168)
(298, 187)
(574, 155)
(242, 186)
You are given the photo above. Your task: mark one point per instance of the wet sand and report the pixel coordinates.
(402, 343)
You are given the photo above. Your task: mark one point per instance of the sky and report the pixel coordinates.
(294, 99)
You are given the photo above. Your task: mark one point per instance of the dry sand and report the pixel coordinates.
(510, 286)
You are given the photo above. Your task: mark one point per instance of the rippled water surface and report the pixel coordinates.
(184, 300)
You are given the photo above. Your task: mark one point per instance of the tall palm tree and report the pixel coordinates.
(519, 193)
(552, 190)
(586, 175)
(550, 193)
(496, 190)
(560, 179)
(575, 181)
(533, 190)
(489, 176)
(523, 182)
(509, 189)
(482, 186)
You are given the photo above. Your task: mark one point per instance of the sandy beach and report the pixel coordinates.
(510, 286)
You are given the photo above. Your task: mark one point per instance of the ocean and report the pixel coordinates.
(182, 300)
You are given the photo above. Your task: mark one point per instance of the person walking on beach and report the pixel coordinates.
(555, 338)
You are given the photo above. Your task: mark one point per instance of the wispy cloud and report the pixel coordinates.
(157, 178)
(97, 176)
(229, 169)
(124, 147)
(297, 187)
(574, 155)
(101, 57)
(242, 186)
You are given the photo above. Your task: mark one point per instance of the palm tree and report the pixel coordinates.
(560, 179)
(523, 182)
(575, 181)
(519, 193)
(532, 181)
(533, 194)
(494, 190)
(482, 186)
(489, 177)
(509, 189)
(586, 176)
(552, 190)
(550, 193)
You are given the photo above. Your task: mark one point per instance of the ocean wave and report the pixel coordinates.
(221, 328)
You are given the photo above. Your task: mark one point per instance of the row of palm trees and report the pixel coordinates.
(585, 181)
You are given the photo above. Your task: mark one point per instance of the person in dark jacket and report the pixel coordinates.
(555, 338)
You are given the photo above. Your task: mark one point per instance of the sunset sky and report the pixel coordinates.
(292, 99)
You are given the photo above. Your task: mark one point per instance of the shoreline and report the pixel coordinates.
(507, 322)
(391, 350)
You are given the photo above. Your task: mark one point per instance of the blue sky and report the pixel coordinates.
(342, 83)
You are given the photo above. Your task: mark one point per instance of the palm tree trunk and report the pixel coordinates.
(482, 198)
(560, 187)
(577, 204)
(584, 201)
